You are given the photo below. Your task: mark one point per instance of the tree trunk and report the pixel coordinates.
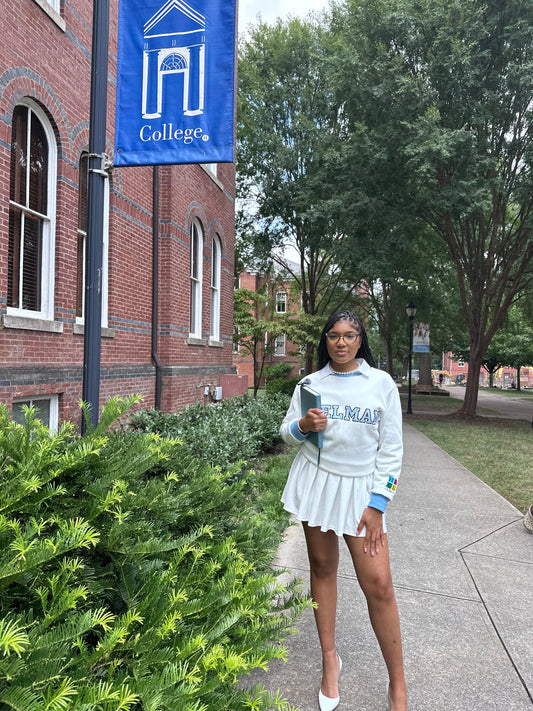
(472, 387)
(424, 369)
(256, 374)
(518, 378)
(390, 363)
(309, 358)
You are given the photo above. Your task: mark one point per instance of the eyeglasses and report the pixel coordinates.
(348, 338)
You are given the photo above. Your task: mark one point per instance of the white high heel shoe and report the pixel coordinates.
(326, 703)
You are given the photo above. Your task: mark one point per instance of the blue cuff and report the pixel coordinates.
(379, 502)
(297, 433)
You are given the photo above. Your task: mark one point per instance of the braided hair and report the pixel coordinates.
(364, 349)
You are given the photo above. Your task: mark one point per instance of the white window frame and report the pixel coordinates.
(49, 222)
(210, 168)
(55, 5)
(280, 345)
(105, 260)
(216, 266)
(196, 236)
(53, 400)
(281, 302)
(460, 363)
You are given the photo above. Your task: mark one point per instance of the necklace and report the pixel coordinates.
(342, 372)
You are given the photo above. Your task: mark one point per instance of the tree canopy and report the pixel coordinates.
(390, 128)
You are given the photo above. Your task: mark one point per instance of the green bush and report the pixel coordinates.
(280, 370)
(284, 386)
(236, 429)
(133, 576)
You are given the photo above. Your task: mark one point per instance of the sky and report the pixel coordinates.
(272, 9)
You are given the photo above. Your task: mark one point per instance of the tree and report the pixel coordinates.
(287, 132)
(516, 342)
(512, 345)
(256, 328)
(441, 93)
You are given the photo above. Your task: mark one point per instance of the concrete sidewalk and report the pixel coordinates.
(462, 566)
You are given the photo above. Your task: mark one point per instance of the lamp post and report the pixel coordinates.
(410, 310)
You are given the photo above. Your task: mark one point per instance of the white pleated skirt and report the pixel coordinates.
(330, 501)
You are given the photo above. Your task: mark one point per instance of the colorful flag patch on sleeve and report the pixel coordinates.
(392, 483)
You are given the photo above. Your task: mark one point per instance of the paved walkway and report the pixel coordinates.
(517, 408)
(462, 565)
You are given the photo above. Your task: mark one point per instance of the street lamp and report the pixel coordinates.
(410, 310)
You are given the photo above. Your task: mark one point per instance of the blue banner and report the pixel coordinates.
(176, 82)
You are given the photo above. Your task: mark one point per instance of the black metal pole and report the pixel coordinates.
(95, 210)
(155, 289)
(409, 408)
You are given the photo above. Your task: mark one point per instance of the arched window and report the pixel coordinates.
(197, 248)
(82, 242)
(173, 63)
(216, 261)
(33, 168)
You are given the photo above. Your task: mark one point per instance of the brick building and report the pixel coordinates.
(284, 350)
(504, 377)
(45, 66)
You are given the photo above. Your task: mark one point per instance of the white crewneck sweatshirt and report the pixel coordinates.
(363, 435)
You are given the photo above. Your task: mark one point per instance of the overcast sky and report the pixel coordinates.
(270, 10)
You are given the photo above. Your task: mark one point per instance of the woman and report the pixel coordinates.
(343, 489)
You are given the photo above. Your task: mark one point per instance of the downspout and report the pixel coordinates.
(155, 287)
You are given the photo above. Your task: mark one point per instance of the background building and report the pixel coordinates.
(279, 303)
(504, 377)
(45, 66)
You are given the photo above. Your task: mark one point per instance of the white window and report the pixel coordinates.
(46, 410)
(461, 363)
(216, 261)
(197, 249)
(281, 302)
(211, 168)
(30, 289)
(236, 344)
(279, 346)
(54, 4)
(82, 243)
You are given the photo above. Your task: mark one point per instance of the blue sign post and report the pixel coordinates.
(176, 82)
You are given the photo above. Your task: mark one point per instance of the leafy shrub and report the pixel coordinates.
(233, 430)
(285, 386)
(280, 370)
(128, 578)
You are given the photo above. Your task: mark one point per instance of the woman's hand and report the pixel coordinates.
(313, 421)
(374, 534)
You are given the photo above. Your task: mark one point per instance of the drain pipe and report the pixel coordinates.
(155, 287)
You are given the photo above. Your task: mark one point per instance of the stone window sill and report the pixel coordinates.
(79, 330)
(29, 323)
(195, 341)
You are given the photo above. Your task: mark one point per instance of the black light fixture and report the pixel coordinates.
(410, 310)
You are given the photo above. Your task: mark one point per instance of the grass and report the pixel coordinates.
(527, 394)
(497, 450)
(431, 403)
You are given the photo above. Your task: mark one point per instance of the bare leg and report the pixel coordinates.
(323, 552)
(373, 573)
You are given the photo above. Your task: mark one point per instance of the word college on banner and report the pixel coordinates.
(176, 82)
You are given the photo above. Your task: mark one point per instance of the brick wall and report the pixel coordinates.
(47, 58)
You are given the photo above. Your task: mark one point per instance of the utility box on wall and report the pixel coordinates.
(233, 384)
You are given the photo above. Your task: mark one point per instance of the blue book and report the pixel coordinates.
(310, 399)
